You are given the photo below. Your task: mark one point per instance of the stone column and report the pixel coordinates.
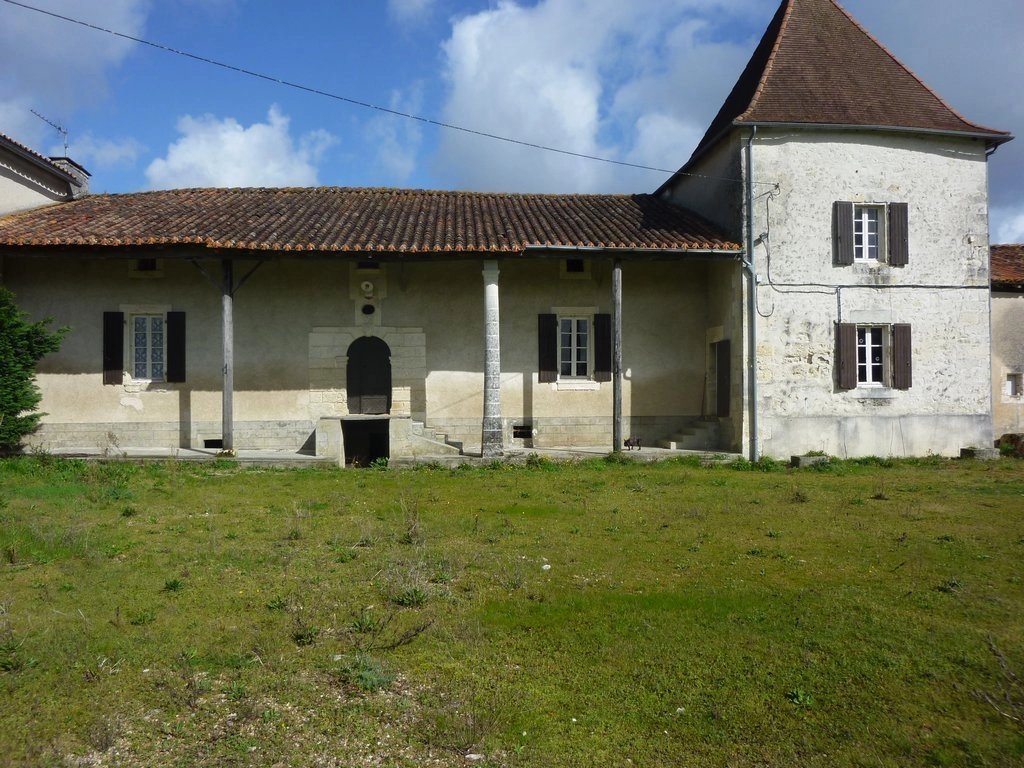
(492, 443)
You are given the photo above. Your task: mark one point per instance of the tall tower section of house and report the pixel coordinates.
(864, 214)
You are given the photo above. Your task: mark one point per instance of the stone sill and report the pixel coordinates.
(576, 385)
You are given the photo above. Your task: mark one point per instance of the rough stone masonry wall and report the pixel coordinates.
(942, 293)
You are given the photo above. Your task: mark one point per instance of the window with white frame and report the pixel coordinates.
(871, 355)
(874, 356)
(574, 345)
(147, 347)
(868, 233)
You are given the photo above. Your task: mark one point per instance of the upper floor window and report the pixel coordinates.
(868, 232)
(876, 233)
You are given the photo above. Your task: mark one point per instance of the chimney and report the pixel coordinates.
(80, 186)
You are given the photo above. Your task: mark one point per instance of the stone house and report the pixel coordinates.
(1008, 339)
(815, 277)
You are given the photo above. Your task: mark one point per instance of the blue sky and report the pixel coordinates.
(636, 81)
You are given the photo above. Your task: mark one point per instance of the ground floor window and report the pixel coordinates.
(147, 347)
(574, 347)
(873, 356)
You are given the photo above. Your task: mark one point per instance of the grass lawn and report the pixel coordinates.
(593, 614)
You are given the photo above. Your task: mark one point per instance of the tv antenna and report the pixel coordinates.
(60, 129)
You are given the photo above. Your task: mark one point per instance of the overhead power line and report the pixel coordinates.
(347, 99)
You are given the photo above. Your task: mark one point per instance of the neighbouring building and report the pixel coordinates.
(815, 277)
(1008, 339)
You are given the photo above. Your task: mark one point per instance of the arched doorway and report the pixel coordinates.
(369, 376)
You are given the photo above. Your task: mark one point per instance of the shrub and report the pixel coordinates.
(22, 345)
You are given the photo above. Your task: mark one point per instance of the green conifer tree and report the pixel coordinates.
(22, 344)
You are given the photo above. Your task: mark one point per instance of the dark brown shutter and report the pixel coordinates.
(602, 347)
(846, 356)
(842, 234)
(175, 346)
(547, 348)
(901, 357)
(113, 347)
(899, 234)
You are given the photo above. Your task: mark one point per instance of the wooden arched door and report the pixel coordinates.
(369, 376)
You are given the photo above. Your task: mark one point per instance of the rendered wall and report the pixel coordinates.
(294, 320)
(942, 293)
(1007, 358)
(24, 185)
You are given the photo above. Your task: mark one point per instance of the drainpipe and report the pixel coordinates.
(748, 266)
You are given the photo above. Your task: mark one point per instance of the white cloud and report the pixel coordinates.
(632, 81)
(397, 139)
(101, 154)
(223, 153)
(55, 67)
(1007, 224)
(405, 11)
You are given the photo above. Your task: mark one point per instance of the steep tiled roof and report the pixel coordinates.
(1008, 266)
(369, 220)
(817, 65)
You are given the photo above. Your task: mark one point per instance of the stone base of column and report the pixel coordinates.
(492, 445)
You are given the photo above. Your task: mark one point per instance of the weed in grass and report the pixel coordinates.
(946, 538)
(129, 512)
(412, 533)
(173, 585)
(141, 618)
(304, 634)
(800, 698)
(950, 586)
(294, 535)
(345, 555)
(235, 691)
(366, 622)
(231, 536)
(362, 672)
(879, 495)
(413, 596)
(773, 534)
(799, 497)
(442, 571)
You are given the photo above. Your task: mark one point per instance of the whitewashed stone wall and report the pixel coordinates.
(942, 293)
(328, 367)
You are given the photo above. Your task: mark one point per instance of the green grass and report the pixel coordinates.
(866, 613)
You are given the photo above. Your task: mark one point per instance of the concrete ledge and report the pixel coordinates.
(984, 454)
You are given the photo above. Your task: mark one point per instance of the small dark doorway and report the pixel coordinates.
(369, 376)
(366, 440)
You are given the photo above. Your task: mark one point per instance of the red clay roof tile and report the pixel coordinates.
(337, 219)
(817, 65)
(1008, 266)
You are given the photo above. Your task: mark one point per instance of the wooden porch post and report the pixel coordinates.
(228, 332)
(617, 355)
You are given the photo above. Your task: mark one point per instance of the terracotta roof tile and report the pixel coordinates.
(1008, 266)
(817, 65)
(363, 220)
